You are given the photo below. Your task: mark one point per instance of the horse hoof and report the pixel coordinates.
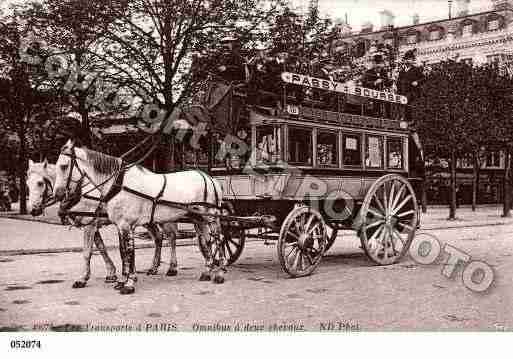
(79, 284)
(171, 272)
(218, 279)
(111, 279)
(204, 277)
(152, 271)
(119, 285)
(127, 290)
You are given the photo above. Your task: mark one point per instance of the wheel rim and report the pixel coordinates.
(302, 241)
(390, 217)
(332, 233)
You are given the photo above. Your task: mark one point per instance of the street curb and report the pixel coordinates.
(35, 219)
(23, 252)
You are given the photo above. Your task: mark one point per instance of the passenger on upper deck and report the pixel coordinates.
(231, 63)
(377, 77)
(410, 77)
(409, 81)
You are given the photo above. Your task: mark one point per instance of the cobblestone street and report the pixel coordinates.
(346, 292)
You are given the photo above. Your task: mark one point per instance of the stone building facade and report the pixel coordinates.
(478, 38)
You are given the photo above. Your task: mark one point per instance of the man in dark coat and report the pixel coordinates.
(231, 64)
(409, 80)
(377, 78)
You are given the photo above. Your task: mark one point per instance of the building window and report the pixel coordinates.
(327, 149)
(467, 60)
(395, 153)
(351, 150)
(411, 39)
(493, 25)
(493, 59)
(374, 152)
(300, 146)
(434, 35)
(493, 159)
(468, 30)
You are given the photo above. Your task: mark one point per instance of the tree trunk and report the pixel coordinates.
(22, 168)
(475, 176)
(506, 208)
(85, 127)
(423, 196)
(453, 199)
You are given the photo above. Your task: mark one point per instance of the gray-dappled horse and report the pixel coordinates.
(134, 196)
(41, 181)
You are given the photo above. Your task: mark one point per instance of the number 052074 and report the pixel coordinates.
(25, 344)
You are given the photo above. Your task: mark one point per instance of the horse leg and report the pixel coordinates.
(220, 265)
(203, 233)
(129, 287)
(124, 266)
(157, 238)
(86, 254)
(109, 266)
(171, 229)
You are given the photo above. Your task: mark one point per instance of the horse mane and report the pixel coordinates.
(102, 163)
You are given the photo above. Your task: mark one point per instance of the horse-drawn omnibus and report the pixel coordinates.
(302, 174)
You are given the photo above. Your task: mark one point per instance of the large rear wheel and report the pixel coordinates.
(389, 217)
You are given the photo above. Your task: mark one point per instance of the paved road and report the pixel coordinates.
(346, 288)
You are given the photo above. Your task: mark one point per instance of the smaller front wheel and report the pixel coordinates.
(302, 241)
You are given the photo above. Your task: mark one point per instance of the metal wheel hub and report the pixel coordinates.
(305, 241)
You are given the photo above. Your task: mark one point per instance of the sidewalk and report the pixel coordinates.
(35, 235)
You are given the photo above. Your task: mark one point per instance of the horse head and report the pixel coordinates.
(40, 180)
(68, 174)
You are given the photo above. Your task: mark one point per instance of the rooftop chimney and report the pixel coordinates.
(462, 7)
(387, 19)
(415, 19)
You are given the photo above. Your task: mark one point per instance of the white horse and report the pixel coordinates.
(41, 181)
(133, 196)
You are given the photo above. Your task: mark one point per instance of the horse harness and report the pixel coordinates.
(118, 186)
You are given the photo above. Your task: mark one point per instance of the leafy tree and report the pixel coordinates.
(25, 93)
(72, 33)
(464, 110)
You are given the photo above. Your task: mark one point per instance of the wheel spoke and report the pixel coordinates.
(230, 252)
(408, 227)
(375, 223)
(293, 234)
(385, 200)
(398, 196)
(290, 244)
(398, 235)
(391, 197)
(297, 259)
(313, 228)
(378, 241)
(295, 248)
(309, 223)
(411, 211)
(375, 212)
(401, 205)
(378, 202)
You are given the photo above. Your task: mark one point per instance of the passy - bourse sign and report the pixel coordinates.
(328, 85)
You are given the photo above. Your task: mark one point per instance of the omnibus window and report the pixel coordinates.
(352, 150)
(267, 139)
(327, 149)
(374, 152)
(300, 146)
(395, 153)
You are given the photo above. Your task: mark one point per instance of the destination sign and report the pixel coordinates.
(328, 85)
